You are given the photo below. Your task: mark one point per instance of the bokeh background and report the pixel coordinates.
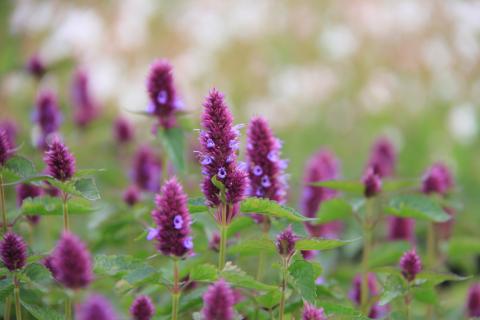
(324, 73)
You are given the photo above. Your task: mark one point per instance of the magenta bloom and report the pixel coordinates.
(355, 294)
(6, 150)
(401, 228)
(312, 313)
(218, 302)
(173, 220)
(60, 161)
(146, 169)
(383, 158)
(10, 128)
(35, 66)
(219, 141)
(142, 308)
(410, 264)
(13, 251)
(437, 179)
(131, 196)
(214, 243)
(85, 108)
(123, 131)
(72, 262)
(96, 307)
(286, 242)
(473, 301)
(25, 191)
(47, 115)
(323, 165)
(372, 183)
(164, 101)
(48, 263)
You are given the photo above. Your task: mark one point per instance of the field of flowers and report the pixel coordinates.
(224, 160)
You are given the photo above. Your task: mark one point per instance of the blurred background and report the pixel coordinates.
(324, 73)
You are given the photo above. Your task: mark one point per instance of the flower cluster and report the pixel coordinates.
(123, 131)
(96, 307)
(173, 220)
(25, 191)
(11, 129)
(312, 313)
(35, 66)
(13, 251)
(146, 169)
(376, 311)
(383, 158)
(142, 308)
(473, 301)
(5, 147)
(60, 162)
(372, 183)
(47, 116)
(132, 195)
(285, 243)
(437, 179)
(218, 302)
(410, 264)
(85, 108)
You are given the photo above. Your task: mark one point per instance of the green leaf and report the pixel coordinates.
(132, 269)
(204, 272)
(238, 224)
(38, 273)
(352, 186)
(394, 287)
(463, 246)
(85, 173)
(197, 205)
(173, 141)
(321, 244)
(6, 288)
(253, 246)
(303, 273)
(44, 206)
(237, 277)
(333, 209)
(416, 206)
(340, 310)
(20, 166)
(87, 188)
(271, 208)
(425, 294)
(387, 253)
(392, 185)
(435, 278)
(269, 299)
(42, 313)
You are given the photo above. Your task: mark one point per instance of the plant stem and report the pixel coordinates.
(408, 300)
(431, 250)
(284, 286)
(68, 308)
(367, 235)
(261, 260)
(223, 238)
(175, 290)
(66, 223)
(16, 292)
(7, 308)
(2, 204)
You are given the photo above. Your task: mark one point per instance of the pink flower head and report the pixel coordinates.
(11, 129)
(312, 313)
(132, 195)
(72, 262)
(372, 183)
(142, 308)
(13, 251)
(35, 66)
(173, 220)
(218, 302)
(401, 228)
(60, 161)
(219, 141)
(265, 168)
(410, 264)
(473, 301)
(123, 130)
(437, 179)
(383, 158)
(25, 191)
(48, 263)
(47, 115)
(85, 108)
(147, 169)
(286, 242)
(355, 294)
(96, 307)
(6, 150)
(164, 101)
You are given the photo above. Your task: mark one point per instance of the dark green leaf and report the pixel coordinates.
(333, 209)
(42, 313)
(53, 206)
(204, 272)
(196, 205)
(237, 277)
(387, 253)
(353, 186)
(434, 278)
(87, 188)
(394, 287)
(340, 310)
(269, 299)
(133, 270)
(238, 224)
(20, 166)
(416, 206)
(270, 208)
(321, 244)
(6, 288)
(173, 141)
(303, 275)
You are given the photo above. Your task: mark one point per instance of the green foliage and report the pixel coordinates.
(303, 275)
(351, 186)
(41, 313)
(416, 206)
(173, 141)
(334, 209)
(321, 244)
(253, 247)
(46, 206)
(270, 208)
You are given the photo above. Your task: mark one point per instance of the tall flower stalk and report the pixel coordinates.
(224, 182)
(286, 249)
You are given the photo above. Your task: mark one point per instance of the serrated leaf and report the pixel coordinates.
(393, 288)
(392, 185)
(321, 244)
(37, 272)
(45, 206)
(6, 288)
(197, 205)
(87, 189)
(303, 275)
(253, 246)
(435, 278)
(84, 173)
(333, 209)
(352, 186)
(271, 208)
(42, 313)
(416, 206)
(20, 166)
(269, 299)
(238, 224)
(237, 277)
(132, 269)
(340, 310)
(204, 272)
(387, 253)
(173, 141)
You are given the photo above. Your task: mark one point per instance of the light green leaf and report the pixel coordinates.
(174, 142)
(416, 206)
(237, 277)
(269, 299)
(271, 208)
(85, 173)
(425, 294)
(132, 269)
(387, 253)
(321, 244)
(435, 278)
(204, 272)
(392, 185)
(37, 272)
(42, 313)
(333, 209)
(340, 310)
(352, 186)
(6, 288)
(87, 188)
(253, 246)
(394, 287)
(238, 224)
(20, 166)
(44, 206)
(303, 275)
(463, 246)
(197, 205)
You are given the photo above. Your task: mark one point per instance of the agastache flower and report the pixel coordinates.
(218, 302)
(376, 311)
(13, 251)
(72, 262)
(473, 301)
(35, 66)
(85, 108)
(323, 165)
(372, 183)
(164, 101)
(401, 228)
(96, 307)
(312, 313)
(123, 131)
(410, 264)
(47, 115)
(142, 308)
(6, 149)
(10, 128)
(285, 243)
(383, 158)
(173, 220)
(25, 191)
(265, 168)
(132, 195)
(147, 169)
(437, 179)
(219, 140)
(60, 161)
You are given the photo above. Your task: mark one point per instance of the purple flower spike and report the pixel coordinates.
(219, 140)
(142, 308)
(266, 176)
(355, 294)
(171, 207)
(286, 243)
(410, 264)
(164, 100)
(25, 191)
(47, 116)
(473, 301)
(123, 130)
(437, 179)
(72, 262)
(312, 313)
(218, 302)
(147, 169)
(48, 263)
(60, 162)
(401, 228)
(13, 251)
(85, 108)
(6, 149)
(383, 158)
(96, 307)
(35, 66)
(372, 183)
(131, 196)
(11, 129)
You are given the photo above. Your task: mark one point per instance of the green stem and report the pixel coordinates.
(16, 292)
(223, 247)
(2, 204)
(431, 250)
(408, 300)
(367, 242)
(261, 260)
(68, 308)
(7, 308)
(175, 290)
(66, 223)
(284, 287)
